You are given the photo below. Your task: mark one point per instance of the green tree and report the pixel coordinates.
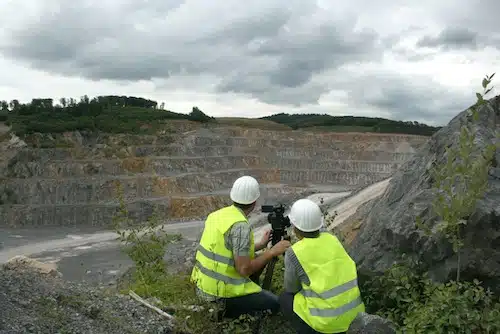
(199, 116)
(4, 106)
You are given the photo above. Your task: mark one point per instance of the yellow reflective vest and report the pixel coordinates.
(332, 300)
(214, 271)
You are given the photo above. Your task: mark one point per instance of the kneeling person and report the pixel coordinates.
(226, 259)
(321, 292)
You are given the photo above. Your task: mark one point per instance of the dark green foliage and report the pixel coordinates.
(114, 114)
(300, 121)
(128, 114)
(199, 116)
(417, 305)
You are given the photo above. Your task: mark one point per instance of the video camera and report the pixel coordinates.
(279, 223)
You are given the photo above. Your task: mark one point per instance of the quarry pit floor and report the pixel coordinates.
(92, 255)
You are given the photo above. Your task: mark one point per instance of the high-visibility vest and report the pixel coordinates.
(214, 271)
(332, 300)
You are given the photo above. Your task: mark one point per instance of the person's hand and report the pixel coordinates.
(280, 247)
(266, 238)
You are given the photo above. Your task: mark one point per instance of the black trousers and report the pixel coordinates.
(286, 305)
(252, 303)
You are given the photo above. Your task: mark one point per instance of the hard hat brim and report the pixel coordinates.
(292, 221)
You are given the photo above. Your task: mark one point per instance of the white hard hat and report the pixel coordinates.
(306, 215)
(245, 190)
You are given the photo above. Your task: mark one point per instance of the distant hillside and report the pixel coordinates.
(351, 124)
(128, 114)
(252, 123)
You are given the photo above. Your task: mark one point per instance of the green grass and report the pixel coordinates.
(176, 290)
(252, 123)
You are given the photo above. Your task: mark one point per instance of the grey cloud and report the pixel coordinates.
(293, 60)
(452, 38)
(478, 15)
(406, 98)
(270, 50)
(276, 51)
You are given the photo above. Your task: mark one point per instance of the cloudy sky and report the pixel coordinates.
(253, 58)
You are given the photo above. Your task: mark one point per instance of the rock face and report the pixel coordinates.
(388, 226)
(72, 178)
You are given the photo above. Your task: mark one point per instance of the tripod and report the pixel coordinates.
(266, 283)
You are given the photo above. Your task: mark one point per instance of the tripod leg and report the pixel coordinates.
(266, 285)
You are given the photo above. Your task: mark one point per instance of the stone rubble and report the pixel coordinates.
(34, 302)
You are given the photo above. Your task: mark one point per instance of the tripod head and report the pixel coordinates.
(279, 223)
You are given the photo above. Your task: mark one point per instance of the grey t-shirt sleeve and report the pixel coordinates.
(294, 273)
(238, 239)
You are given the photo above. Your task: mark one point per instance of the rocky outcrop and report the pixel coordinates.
(365, 323)
(71, 179)
(20, 263)
(388, 226)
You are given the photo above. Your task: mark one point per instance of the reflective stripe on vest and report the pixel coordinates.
(332, 300)
(214, 271)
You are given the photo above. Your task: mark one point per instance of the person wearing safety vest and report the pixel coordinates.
(321, 291)
(226, 267)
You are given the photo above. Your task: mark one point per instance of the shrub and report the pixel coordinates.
(199, 116)
(416, 304)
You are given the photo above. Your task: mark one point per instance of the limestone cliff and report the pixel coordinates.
(185, 170)
(388, 226)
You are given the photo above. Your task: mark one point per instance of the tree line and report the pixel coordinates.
(301, 121)
(123, 114)
(114, 114)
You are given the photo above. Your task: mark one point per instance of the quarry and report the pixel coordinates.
(72, 180)
(60, 192)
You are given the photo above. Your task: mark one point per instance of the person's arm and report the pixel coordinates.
(291, 282)
(240, 240)
(247, 266)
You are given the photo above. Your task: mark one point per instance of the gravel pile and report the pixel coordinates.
(33, 302)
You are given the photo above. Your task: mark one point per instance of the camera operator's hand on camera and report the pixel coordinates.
(280, 247)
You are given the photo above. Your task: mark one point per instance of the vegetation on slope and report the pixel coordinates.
(252, 123)
(403, 294)
(128, 114)
(351, 123)
(112, 114)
